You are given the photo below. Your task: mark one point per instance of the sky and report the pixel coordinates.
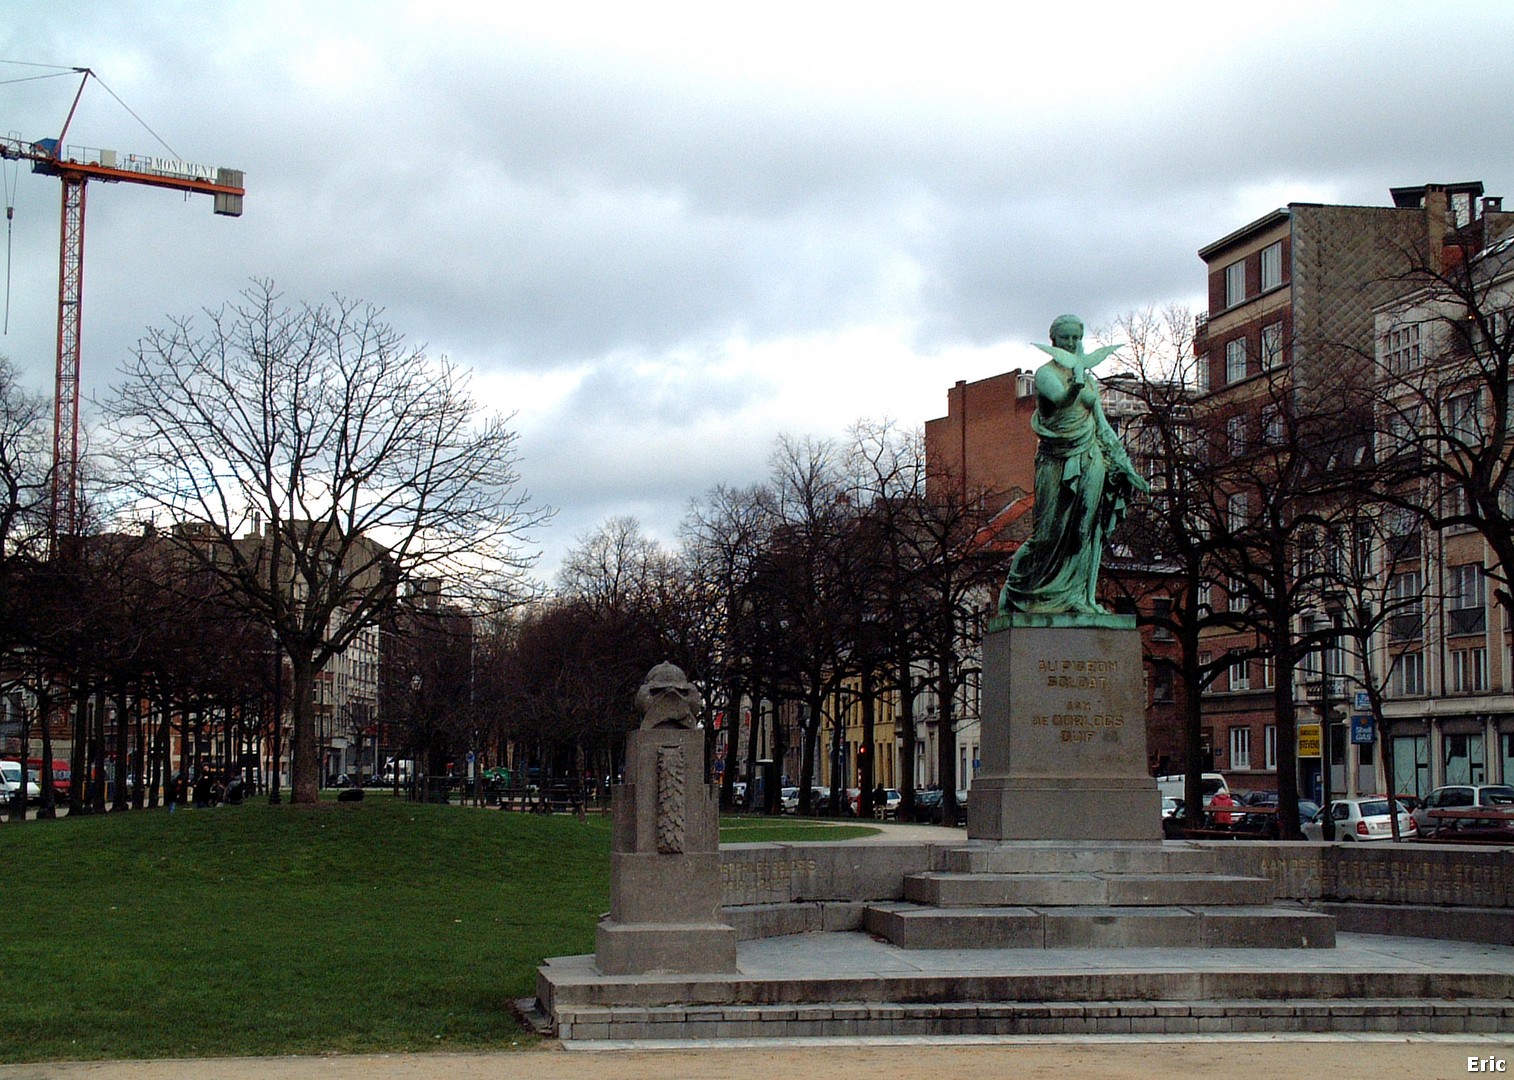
(660, 235)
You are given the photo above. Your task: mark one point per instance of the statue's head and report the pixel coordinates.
(667, 698)
(1067, 332)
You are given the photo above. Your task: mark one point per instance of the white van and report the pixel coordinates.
(10, 781)
(1212, 783)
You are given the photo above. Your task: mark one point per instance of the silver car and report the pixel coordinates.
(1461, 797)
(1360, 820)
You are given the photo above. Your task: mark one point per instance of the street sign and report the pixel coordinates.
(1308, 740)
(1363, 701)
(471, 758)
(1363, 730)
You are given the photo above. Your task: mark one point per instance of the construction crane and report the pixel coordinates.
(75, 167)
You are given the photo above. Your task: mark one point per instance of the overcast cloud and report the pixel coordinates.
(662, 234)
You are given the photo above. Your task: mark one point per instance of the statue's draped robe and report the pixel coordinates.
(1082, 480)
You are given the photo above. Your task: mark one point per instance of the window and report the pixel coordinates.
(1406, 619)
(1204, 599)
(1273, 432)
(1409, 675)
(1469, 670)
(1236, 592)
(1237, 512)
(1235, 360)
(1401, 349)
(1269, 747)
(1235, 434)
(1240, 748)
(1235, 283)
(1272, 266)
(1240, 675)
(1272, 346)
(1269, 672)
(1161, 684)
(1161, 610)
(1403, 535)
(1464, 759)
(1461, 417)
(1467, 608)
(1411, 764)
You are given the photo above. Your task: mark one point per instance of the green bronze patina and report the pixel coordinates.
(1084, 480)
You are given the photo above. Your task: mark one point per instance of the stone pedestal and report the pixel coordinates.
(665, 887)
(1063, 746)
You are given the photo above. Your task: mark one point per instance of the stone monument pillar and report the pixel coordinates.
(665, 887)
(1063, 732)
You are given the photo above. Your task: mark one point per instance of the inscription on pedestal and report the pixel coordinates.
(1064, 737)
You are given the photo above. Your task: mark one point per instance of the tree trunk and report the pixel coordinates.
(123, 753)
(49, 808)
(97, 753)
(78, 777)
(304, 784)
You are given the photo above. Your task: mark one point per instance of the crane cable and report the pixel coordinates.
(10, 220)
(54, 71)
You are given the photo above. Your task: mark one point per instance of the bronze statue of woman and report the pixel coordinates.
(1084, 479)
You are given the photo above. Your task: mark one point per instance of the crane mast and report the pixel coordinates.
(75, 167)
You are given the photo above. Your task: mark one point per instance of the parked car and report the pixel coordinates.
(10, 782)
(1363, 819)
(1460, 796)
(1211, 783)
(788, 800)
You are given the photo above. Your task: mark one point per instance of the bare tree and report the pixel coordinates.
(313, 461)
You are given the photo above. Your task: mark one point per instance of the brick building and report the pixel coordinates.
(1292, 302)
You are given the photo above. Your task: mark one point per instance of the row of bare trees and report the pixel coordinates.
(291, 470)
(837, 579)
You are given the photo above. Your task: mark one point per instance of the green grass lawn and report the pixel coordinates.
(368, 927)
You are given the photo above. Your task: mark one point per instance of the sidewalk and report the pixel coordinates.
(1359, 1057)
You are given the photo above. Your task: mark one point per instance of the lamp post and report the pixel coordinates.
(416, 682)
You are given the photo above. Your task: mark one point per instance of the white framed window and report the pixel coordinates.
(1269, 672)
(1237, 512)
(1273, 432)
(1240, 748)
(1469, 670)
(1269, 747)
(1204, 598)
(1235, 434)
(1240, 675)
(1235, 283)
(1235, 360)
(1272, 346)
(1409, 675)
(1272, 266)
(1235, 593)
(1401, 349)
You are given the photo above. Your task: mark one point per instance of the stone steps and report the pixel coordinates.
(914, 926)
(1039, 857)
(1096, 895)
(1084, 889)
(881, 1019)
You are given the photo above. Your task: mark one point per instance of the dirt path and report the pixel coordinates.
(1276, 1059)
